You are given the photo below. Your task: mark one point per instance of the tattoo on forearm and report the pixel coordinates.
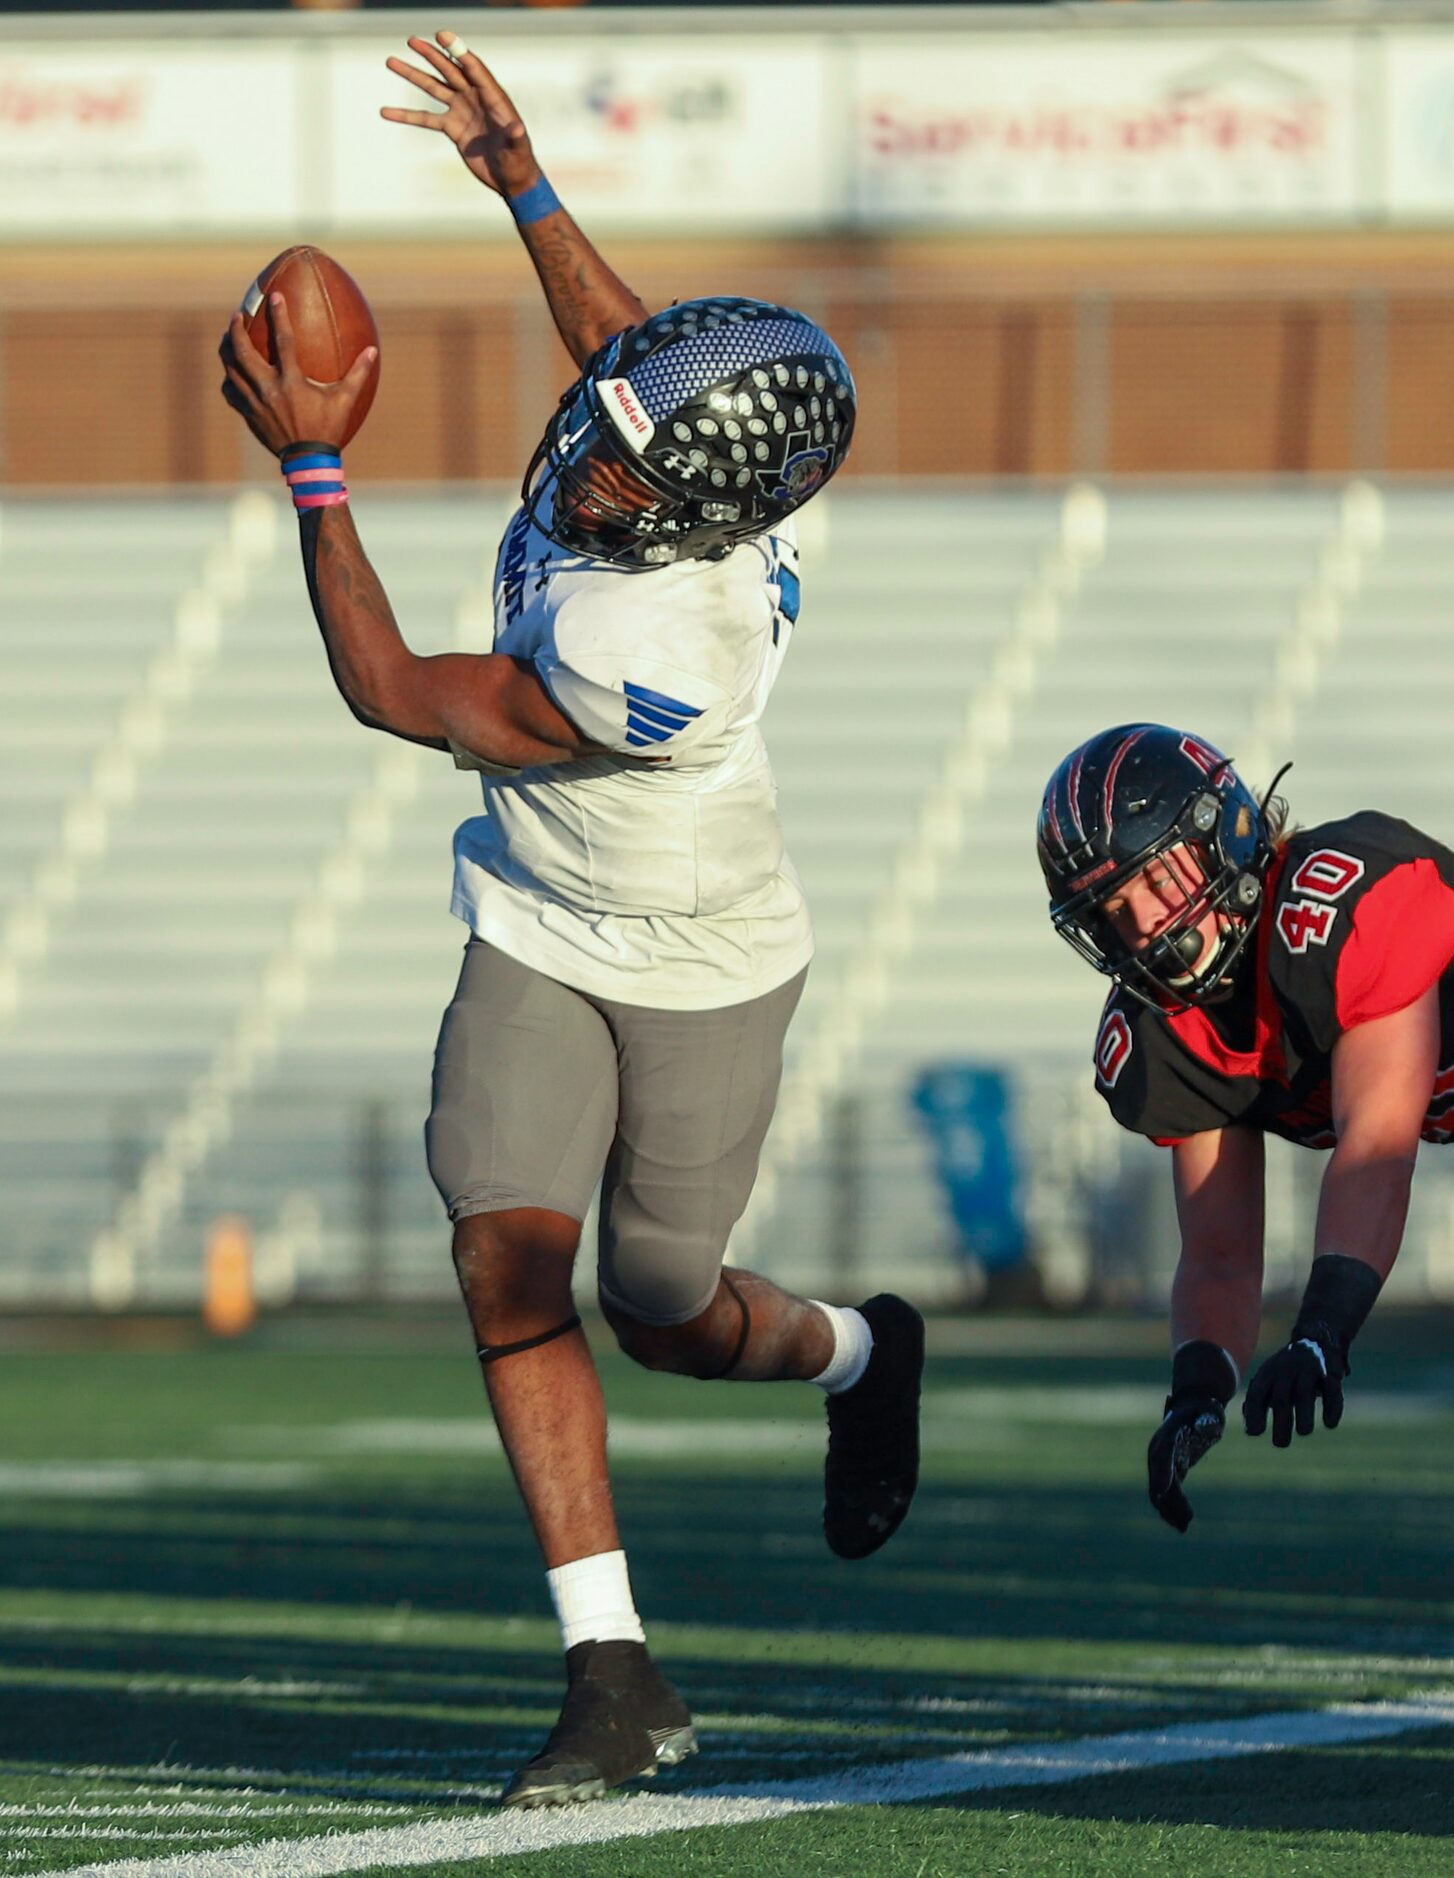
(350, 605)
(354, 616)
(564, 285)
(341, 552)
(586, 299)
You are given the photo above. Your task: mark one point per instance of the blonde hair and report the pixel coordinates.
(1279, 828)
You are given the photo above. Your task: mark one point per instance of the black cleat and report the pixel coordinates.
(621, 1718)
(873, 1435)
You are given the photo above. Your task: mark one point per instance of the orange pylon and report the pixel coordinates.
(229, 1303)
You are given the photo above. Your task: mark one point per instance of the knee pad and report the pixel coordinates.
(655, 1272)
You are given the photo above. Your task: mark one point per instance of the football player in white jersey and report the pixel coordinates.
(639, 937)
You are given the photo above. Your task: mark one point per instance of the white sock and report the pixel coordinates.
(852, 1345)
(592, 1599)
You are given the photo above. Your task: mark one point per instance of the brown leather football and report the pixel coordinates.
(331, 319)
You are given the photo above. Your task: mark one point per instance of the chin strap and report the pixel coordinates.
(492, 1352)
(1272, 787)
(742, 1335)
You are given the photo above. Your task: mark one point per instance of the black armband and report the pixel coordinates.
(1340, 1293)
(308, 448)
(1202, 1368)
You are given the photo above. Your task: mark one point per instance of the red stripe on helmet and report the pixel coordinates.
(1072, 790)
(1111, 773)
(1053, 817)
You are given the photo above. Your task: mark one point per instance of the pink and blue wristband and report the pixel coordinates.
(314, 474)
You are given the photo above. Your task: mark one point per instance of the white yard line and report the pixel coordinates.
(499, 1835)
(953, 1419)
(115, 1480)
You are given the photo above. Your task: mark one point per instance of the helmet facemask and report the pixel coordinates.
(589, 493)
(1202, 874)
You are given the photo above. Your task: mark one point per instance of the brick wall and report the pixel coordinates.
(1002, 358)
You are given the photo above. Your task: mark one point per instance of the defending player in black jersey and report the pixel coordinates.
(1298, 985)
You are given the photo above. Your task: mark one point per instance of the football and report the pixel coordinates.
(332, 322)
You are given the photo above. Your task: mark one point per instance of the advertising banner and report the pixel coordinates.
(1418, 113)
(1181, 128)
(692, 136)
(146, 139)
(719, 134)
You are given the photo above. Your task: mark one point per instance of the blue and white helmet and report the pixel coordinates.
(685, 435)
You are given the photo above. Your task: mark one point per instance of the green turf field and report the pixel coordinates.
(253, 1596)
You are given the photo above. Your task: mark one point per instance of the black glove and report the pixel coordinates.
(1203, 1381)
(1291, 1383)
(1311, 1366)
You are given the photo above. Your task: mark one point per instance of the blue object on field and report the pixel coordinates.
(966, 1110)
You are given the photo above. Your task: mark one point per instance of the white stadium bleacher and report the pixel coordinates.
(224, 931)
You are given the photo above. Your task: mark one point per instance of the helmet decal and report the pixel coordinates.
(1095, 874)
(1113, 770)
(621, 405)
(1208, 760)
(1048, 814)
(1072, 793)
(801, 474)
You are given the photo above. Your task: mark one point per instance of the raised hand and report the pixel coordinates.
(280, 404)
(478, 118)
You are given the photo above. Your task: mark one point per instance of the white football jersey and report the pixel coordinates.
(655, 874)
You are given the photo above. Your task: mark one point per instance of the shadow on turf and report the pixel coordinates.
(342, 1754)
(1060, 1567)
(446, 1706)
(1088, 1564)
(1339, 1571)
(1401, 1785)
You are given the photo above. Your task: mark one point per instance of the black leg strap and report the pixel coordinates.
(492, 1352)
(743, 1334)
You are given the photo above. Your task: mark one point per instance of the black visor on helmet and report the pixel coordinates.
(1114, 808)
(584, 494)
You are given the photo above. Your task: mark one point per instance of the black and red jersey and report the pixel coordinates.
(1357, 922)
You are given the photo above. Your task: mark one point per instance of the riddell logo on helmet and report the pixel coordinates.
(620, 399)
(1096, 873)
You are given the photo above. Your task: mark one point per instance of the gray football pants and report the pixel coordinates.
(541, 1091)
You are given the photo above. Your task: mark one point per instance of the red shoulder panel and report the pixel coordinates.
(1401, 943)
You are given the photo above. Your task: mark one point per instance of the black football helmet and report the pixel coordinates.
(1113, 806)
(683, 436)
